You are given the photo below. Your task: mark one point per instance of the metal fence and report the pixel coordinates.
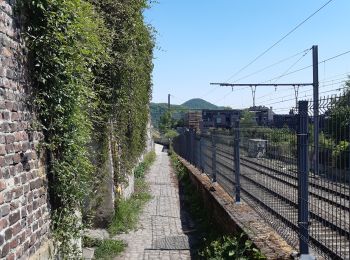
(301, 187)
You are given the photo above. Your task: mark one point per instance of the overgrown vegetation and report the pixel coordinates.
(90, 66)
(145, 165)
(128, 211)
(66, 39)
(229, 247)
(215, 243)
(104, 249)
(108, 249)
(126, 79)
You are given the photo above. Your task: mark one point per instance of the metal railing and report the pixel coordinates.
(274, 171)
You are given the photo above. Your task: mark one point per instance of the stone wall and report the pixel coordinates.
(24, 210)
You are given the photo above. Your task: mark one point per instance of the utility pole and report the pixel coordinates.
(169, 102)
(316, 107)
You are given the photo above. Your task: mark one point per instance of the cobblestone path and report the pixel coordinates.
(161, 232)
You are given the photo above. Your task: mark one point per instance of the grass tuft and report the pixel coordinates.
(104, 249)
(108, 249)
(128, 211)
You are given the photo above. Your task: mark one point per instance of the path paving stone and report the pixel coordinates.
(161, 233)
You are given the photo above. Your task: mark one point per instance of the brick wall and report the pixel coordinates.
(24, 212)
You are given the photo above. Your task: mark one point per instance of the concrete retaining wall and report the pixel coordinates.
(233, 218)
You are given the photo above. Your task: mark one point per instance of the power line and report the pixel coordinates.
(304, 68)
(282, 101)
(210, 91)
(270, 66)
(277, 98)
(223, 97)
(290, 67)
(339, 80)
(295, 63)
(280, 40)
(329, 79)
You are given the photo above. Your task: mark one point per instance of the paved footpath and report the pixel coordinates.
(160, 234)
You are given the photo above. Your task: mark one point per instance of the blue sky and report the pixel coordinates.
(203, 41)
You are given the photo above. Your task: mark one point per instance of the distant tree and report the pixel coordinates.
(166, 122)
(338, 117)
(170, 134)
(180, 122)
(248, 119)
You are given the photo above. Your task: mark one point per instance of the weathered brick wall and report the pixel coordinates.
(24, 212)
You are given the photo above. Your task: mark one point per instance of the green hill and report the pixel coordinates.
(158, 109)
(197, 103)
(179, 111)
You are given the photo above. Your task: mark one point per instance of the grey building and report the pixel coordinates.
(263, 115)
(220, 118)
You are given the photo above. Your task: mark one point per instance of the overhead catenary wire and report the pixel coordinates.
(305, 91)
(226, 95)
(209, 92)
(289, 68)
(328, 79)
(338, 81)
(289, 73)
(271, 65)
(280, 40)
(309, 66)
(292, 66)
(323, 61)
(324, 92)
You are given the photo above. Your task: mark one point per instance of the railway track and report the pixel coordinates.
(290, 175)
(276, 191)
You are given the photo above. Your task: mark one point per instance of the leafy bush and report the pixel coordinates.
(340, 154)
(170, 134)
(229, 247)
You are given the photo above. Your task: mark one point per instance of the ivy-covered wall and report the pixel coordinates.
(85, 91)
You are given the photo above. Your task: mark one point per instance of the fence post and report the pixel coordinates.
(183, 145)
(200, 153)
(201, 164)
(193, 144)
(303, 181)
(188, 147)
(237, 162)
(213, 165)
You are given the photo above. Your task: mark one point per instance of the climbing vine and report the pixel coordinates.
(65, 40)
(90, 64)
(127, 77)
